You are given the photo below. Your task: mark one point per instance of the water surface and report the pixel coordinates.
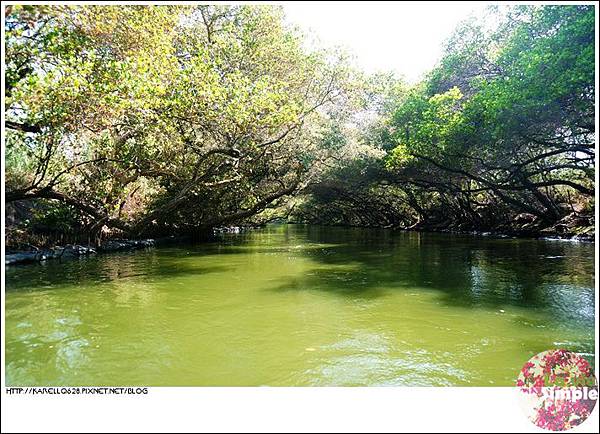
(301, 306)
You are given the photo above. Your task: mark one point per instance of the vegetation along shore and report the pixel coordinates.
(133, 123)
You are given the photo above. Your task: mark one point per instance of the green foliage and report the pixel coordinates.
(54, 216)
(161, 119)
(504, 124)
(166, 118)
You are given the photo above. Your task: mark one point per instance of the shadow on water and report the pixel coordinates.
(231, 304)
(149, 264)
(466, 271)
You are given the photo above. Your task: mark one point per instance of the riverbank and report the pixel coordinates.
(34, 255)
(73, 251)
(571, 227)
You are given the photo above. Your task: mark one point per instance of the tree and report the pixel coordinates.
(503, 125)
(164, 119)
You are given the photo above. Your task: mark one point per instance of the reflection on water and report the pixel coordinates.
(301, 305)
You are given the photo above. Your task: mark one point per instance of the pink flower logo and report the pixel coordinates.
(558, 388)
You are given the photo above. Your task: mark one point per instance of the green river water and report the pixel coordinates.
(301, 306)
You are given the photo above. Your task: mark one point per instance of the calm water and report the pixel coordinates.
(295, 305)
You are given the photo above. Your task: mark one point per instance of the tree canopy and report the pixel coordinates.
(149, 120)
(503, 125)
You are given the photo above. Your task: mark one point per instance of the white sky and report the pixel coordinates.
(405, 37)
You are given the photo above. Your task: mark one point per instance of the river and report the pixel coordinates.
(293, 305)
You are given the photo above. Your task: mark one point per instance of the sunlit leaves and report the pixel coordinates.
(216, 106)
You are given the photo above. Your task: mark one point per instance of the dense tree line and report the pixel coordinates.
(149, 120)
(163, 119)
(501, 130)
